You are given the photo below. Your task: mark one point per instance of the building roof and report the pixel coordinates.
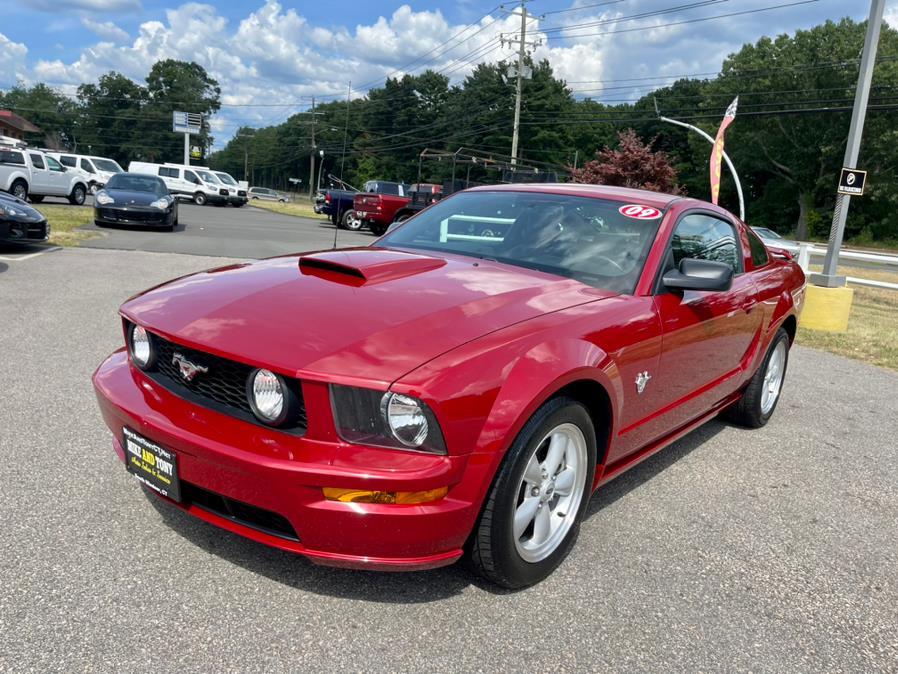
(15, 121)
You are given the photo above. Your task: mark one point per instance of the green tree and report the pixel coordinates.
(111, 121)
(50, 110)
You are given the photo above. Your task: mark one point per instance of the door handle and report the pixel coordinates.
(749, 305)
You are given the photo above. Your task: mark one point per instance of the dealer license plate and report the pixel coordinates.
(153, 465)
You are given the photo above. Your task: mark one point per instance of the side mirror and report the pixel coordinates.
(696, 274)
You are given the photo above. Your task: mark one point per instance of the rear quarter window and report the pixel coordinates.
(12, 157)
(67, 161)
(759, 256)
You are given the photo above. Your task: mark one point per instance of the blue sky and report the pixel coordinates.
(271, 57)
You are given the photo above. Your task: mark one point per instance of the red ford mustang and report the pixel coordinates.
(460, 387)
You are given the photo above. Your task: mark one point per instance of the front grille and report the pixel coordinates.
(250, 516)
(117, 215)
(241, 193)
(31, 231)
(222, 388)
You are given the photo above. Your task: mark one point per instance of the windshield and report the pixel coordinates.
(208, 177)
(226, 179)
(137, 183)
(107, 165)
(588, 239)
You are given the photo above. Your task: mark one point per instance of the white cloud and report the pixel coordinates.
(105, 29)
(12, 61)
(891, 15)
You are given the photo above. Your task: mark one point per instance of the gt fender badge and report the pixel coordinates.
(641, 380)
(187, 369)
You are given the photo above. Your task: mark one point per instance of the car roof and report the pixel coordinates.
(655, 199)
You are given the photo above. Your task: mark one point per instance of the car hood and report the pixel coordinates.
(131, 198)
(354, 315)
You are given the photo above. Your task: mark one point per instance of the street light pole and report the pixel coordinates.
(828, 278)
(320, 168)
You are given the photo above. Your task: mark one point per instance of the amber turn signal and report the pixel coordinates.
(391, 497)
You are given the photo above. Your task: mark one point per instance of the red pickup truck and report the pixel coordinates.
(378, 204)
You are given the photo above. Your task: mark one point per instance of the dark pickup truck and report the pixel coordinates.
(337, 205)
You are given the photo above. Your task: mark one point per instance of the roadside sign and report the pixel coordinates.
(852, 182)
(187, 122)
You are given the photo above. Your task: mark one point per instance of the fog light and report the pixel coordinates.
(391, 497)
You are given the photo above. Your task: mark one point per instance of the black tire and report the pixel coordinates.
(492, 551)
(19, 189)
(378, 229)
(199, 199)
(749, 411)
(402, 217)
(78, 195)
(350, 222)
(37, 198)
(97, 223)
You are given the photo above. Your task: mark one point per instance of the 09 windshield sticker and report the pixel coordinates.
(639, 212)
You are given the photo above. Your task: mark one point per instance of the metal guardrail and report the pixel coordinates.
(804, 252)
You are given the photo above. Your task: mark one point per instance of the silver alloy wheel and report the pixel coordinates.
(773, 377)
(550, 493)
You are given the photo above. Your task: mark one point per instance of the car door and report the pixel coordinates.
(60, 179)
(41, 181)
(707, 337)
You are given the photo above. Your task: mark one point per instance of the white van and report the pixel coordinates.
(236, 193)
(185, 182)
(95, 170)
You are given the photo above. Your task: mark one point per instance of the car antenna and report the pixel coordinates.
(337, 226)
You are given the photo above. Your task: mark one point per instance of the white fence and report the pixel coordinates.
(805, 251)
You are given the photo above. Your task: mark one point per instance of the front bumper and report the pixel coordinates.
(134, 215)
(240, 201)
(284, 474)
(24, 231)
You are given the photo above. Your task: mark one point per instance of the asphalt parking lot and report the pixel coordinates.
(733, 550)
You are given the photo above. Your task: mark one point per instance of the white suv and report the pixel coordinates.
(97, 170)
(31, 174)
(184, 182)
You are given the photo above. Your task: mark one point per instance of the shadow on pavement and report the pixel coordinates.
(296, 571)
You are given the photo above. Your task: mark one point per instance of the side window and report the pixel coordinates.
(190, 177)
(87, 166)
(53, 165)
(703, 237)
(12, 157)
(68, 160)
(758, 251)
(37, 160)
(168, 172)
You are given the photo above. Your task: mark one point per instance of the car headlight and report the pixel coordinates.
(385, 419)
(103, 198)
(162, 203)
(272, 399)
(140, 346)
(14, 211)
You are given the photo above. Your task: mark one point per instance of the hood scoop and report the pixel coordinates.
(366, 266)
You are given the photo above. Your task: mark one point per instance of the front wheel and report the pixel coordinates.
(759, 400)
(199, 199)
(78, 195)
(533, 512)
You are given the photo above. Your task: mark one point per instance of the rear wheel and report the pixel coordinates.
(533, 512)
(19, 190)
(199, 199)
(350, 221)
(378, 229)
(78, 195)
(759, 400)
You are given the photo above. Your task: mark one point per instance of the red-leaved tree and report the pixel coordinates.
(633, 164)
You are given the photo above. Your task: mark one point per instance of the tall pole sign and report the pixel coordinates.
(850, 176)
(717, 152)
(188, 123)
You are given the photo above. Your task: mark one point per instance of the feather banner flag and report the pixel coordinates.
(717, 152)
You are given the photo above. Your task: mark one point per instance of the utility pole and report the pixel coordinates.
(314, 147)
(522, 53)
(829, 279)
(345, 128)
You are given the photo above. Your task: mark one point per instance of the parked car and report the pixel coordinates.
(185, 181)
(443, 393)
(27, 173)
(266, 194)
(21, 222)
(95, 170)
(771, 238)
(376, 205)
(135, 199)
(236, 194)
